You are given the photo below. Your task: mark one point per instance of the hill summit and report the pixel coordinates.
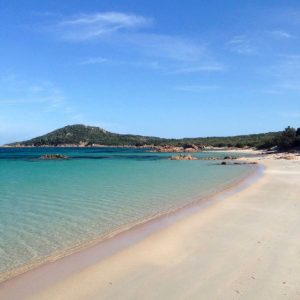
(83, 135)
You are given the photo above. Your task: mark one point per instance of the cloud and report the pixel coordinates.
(287, 72)
(18, 91)
(200, 67)
(176, 54)
(280, 34)
(168, 47)
(94, 61)
(177, 67)
(111, 24)
(197, 88)
(285, 75)
(240, 44)
(96, 25)
(43, 95)
(169, 53)
(33, 102)
(114, 62)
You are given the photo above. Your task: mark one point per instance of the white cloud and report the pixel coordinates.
(285, 75)
(197, 88)
(240, 44)
(94, 61)
(43, 95)
(34, 101)
(280, 34)
(114, 62)
(16, 91)
(168, 47)
(200, 67)
(96, 25)
(172, 54)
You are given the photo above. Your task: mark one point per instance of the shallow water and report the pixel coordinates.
(49, 206)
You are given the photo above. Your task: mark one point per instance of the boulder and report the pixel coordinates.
(54, 156)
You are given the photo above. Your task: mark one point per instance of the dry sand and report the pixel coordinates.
(245, 247)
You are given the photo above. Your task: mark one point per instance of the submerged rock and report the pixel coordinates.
(54, 156)
(230, 157)
(246, 163)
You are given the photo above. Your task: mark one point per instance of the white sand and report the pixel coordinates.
(245, 247)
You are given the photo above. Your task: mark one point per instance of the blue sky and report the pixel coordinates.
(164, 68)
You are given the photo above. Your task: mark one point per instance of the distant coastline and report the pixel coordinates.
(89, 136)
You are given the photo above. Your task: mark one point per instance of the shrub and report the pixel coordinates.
(287, 139)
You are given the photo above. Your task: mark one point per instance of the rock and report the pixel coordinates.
(190, 150)
(54, 156)
(223, 163)
(246, 163)
(168, 149)
(183, 157)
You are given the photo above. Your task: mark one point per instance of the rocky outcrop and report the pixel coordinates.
(183, 157)
(190, 150)
(168, 149)
(175, 149)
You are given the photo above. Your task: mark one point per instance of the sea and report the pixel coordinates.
(48, 207)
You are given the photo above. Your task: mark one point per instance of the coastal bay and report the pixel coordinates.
(226, 249)
(91, 195)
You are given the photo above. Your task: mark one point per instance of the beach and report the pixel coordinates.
(149, 150)
(245, 246)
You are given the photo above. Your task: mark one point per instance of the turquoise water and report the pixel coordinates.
(48, 207)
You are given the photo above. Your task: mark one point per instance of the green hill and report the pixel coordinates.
(89, 135)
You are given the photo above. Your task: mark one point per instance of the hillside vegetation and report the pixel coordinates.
(87, 136)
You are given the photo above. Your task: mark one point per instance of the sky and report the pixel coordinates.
(161, 67)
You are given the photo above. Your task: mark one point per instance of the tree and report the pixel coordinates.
(298, 137)
(287, 139)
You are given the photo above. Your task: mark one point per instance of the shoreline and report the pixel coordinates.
(246, 247)
(126, 236)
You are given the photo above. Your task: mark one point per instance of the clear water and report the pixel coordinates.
(47, 207)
